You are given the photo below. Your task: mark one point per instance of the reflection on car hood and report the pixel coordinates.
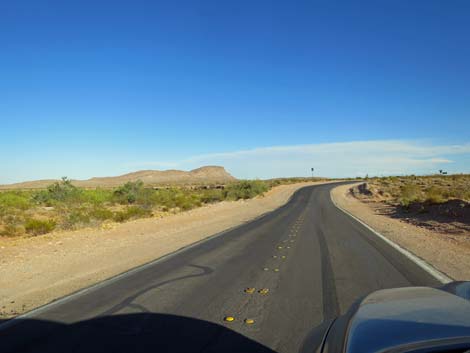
(394, 317)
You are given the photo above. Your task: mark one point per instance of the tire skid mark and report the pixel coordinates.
(329, 294)
(129, 300)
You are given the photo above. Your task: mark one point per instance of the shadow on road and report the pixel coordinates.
(126, 333)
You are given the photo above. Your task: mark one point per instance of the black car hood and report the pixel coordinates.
(392, 318)
(412, 319)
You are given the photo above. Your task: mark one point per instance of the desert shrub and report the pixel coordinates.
(434, 195)
(132, 212)
(12, 230)
(79, 217)
(76, 218)
(147, 198)
(211, 196)
(97, 196)
(15, 199)
(100, 214)
(62, 191)
(38, 226)
(245, 189)
(187, 201)
(127, 194)
(165, 197)
(172, 198)
(409, 193)
(135, 193)
(457, 192)
(466, 195)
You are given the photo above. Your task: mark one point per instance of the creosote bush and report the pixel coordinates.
(132, 212)
(245, 189)
(38, 227)
(409, 193)
(434, 195)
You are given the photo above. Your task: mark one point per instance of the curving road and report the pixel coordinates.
(313, 259)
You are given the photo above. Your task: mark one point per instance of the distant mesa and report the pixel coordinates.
(203, 175)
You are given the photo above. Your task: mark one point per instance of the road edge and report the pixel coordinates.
(440, 276)
(10, 322)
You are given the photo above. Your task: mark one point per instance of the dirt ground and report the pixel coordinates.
(449, 252)
(35, 271)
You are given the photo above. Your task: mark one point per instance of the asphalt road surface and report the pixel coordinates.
(311, 259)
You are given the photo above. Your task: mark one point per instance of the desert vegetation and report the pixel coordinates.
(432, 189)
(438, 202)
(63, 206)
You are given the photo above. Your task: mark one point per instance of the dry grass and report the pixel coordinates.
(434, 189)
(437, 202)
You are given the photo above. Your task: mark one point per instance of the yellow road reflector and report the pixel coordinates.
(279, 247)
(274, 256)
(249, 321)
(263, 291)
(265, 269)
(288, 247)
(283, 256)
(229, 318)
(250, 290)
(276, 270)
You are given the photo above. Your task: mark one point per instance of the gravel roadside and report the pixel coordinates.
(444, 251)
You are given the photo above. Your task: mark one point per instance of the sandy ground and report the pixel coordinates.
(446, 252)
(35, 271)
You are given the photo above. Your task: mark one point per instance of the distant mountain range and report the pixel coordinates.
(203, 175)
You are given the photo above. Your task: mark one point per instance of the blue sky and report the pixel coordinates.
(265, 88)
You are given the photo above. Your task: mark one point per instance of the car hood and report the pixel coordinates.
(399, 317)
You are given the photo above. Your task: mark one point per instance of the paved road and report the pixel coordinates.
(313, 259)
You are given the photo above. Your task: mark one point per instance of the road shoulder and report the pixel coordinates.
(446, 253)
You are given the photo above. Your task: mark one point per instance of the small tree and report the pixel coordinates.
(130, 191)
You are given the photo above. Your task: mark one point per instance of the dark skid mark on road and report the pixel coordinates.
(128, 301)
(330, 297)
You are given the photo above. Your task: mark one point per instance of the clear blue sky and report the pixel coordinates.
(91, 88)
